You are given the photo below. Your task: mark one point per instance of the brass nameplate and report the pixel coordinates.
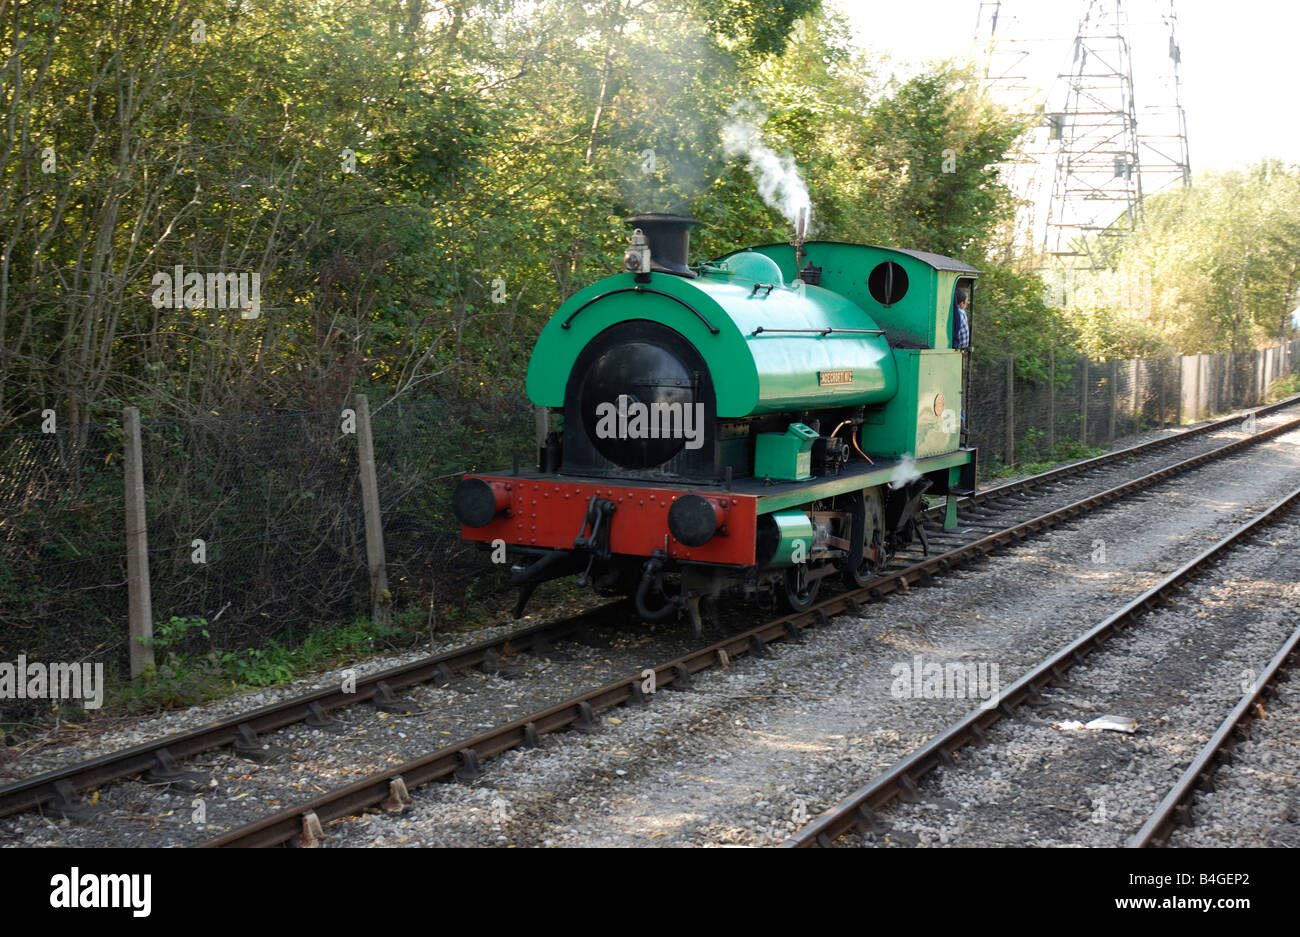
(834, 377)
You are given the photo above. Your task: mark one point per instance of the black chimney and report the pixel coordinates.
(670, 241)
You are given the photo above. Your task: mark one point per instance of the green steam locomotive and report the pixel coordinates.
(757, 423)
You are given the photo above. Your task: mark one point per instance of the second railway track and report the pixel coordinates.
(956, 749)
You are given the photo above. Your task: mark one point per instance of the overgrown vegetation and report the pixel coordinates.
(1213, 268)
(420, 188)
(1067, 450)
(191, 668)
(1286, 387)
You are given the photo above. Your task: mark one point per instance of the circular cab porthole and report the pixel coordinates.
(887, 283)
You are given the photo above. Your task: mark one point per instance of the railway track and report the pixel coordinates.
(56, 791)
(304, 823)
(161, 759)
(859, 811)
(1176, 807)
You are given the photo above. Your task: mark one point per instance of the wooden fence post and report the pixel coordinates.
(1083, 402)
(1011, 411)
(139, 598)
(381, 601)
(1051, 399)
(1111, 399)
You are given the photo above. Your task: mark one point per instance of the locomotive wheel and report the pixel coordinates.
(868, 571)
(798, 593)
(868, 502)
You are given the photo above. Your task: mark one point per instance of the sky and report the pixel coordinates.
(1240, 61)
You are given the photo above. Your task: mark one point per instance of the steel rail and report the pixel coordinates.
(1176, 807)
(463, 759)
(857, 811)
(160, 755)
(59, 786)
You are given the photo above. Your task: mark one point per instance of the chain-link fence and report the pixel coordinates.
(255, 528)
(421, 451)
(256, 524)
(62, 551)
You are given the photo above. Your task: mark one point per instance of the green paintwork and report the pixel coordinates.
(922, 317)
(950, 508)
(785, 456)
(944, 299)
(856, 481)
(908, 425)
(795, 527)
(775, 372)
(752, 374)
(754, 266)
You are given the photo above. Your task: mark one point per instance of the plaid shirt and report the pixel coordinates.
(961, 331)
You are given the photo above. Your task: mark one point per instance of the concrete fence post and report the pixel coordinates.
(1009, 439)
(1180, 362)
(1111, 400)
(1160, 394)
(1011, 411)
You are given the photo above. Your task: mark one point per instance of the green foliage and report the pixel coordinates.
(938, 141)
(760, 27)
(1286, 387)
(1031, 460)
(1009, 314)
(1212, 268)
(193, 671)
(498, 147)
(172, 632)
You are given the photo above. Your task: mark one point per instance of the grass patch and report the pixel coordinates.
(1067, 450)
(193, 670)
(1286, 387)
(189, 673)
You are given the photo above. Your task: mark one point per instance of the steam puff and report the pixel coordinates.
(904, 472)
(775, 174)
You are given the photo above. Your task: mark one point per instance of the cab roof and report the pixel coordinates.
(935, 261)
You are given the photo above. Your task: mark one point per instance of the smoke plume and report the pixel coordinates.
(774, 173)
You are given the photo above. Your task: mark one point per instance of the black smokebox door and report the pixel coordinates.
(640, 364)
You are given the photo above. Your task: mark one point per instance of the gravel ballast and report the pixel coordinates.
(757, 750)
